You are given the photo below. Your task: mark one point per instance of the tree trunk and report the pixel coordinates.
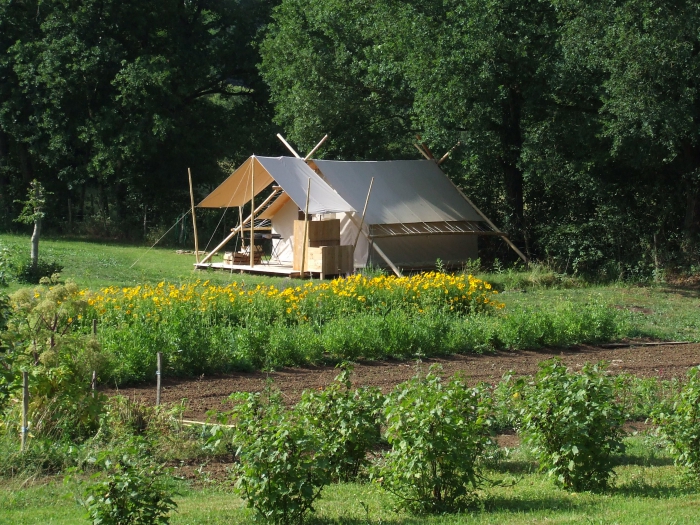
(691, 222)
(511, 143)
(35, 244)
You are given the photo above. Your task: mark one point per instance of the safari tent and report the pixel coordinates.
(403, 215)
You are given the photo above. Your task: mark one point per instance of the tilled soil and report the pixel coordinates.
(210, 392)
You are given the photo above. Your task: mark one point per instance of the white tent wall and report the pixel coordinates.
(422, 251)
(348, 234)
(283, 223)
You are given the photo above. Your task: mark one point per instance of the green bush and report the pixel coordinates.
(679, 424)
(129, 490)
(574, 424)
(437, 432)
(282, 468)
(59, 361)
(347, 422)
(5, 266)
(25, 273)
(641, 397)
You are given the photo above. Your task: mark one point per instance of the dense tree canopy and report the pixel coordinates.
(579, 122)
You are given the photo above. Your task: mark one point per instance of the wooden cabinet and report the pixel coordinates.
(324, 254)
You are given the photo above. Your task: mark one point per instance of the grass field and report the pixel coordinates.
(648, 489)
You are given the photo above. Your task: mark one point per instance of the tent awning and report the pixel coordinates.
(404, 191)
(292, 174)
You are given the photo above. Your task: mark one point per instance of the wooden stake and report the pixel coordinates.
(251, 244)
(306, 228)
(362, 221)
(315, 148)
(93, 383)
(94, 327)
(25, 410)
(159, 357)
(194, 218)
(238, 228)
(288, 146)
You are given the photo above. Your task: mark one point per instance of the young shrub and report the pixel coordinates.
(129, 490)
(679, 424)
(280, 471)
(347, 422)
(574, 424)
(59, 359)
(437, 432)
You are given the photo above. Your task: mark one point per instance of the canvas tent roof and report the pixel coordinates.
(291, 174)
(404, 191)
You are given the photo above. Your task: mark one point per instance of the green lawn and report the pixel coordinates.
(647, 489)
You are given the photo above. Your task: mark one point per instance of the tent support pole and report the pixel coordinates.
(290, 148)
(316, 147)
(362, 221)
(306, 229)
(503, 235)
(194, 219)
(377, 248)
(251, 244)
(238, 228)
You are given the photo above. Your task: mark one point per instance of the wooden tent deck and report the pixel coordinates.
(273, 269)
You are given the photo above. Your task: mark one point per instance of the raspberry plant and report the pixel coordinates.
(574, 424)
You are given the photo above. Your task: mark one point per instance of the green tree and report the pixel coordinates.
(121, 97)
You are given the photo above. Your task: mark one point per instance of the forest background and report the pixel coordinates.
(579, 122)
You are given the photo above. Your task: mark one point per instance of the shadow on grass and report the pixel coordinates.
(531, 504)
(513, 467)
(644, 461)
(314, 520)
(642, 489)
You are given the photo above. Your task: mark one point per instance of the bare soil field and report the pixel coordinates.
(210, 392)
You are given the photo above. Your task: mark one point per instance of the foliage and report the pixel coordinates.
(437, 434)
(129, 490)
(282, 467)
(574, 424)
(60, 362)
(28, 273)
(33, 208)
(679, 423)
(347, 422)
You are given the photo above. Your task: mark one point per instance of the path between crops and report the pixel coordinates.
(209, 392)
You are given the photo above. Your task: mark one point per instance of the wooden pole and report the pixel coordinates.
(94, 327)
(362, 221)
(252, 207)
(93, 383)
(376, 248)
(194, 218)
(444, 157)
(422, 152)
(159, 361)
(315, 148)
(493, 226)
(306, 228)
(288, 146)
(25, 410)
(238, 228)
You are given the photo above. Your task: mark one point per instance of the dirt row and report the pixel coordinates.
(210, 392)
